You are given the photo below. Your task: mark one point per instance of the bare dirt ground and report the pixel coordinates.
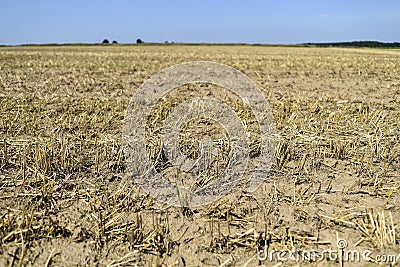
(66, 198)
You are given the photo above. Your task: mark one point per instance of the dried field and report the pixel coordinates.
(66, 198)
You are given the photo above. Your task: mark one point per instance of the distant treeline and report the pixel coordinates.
(373, 44)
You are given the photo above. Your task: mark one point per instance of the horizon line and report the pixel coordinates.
(207, 43)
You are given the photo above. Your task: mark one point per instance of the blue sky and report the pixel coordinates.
(217, 21)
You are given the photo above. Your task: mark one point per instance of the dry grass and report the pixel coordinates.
(66, 199)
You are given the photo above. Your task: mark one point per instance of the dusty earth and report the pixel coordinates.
(67, 198)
